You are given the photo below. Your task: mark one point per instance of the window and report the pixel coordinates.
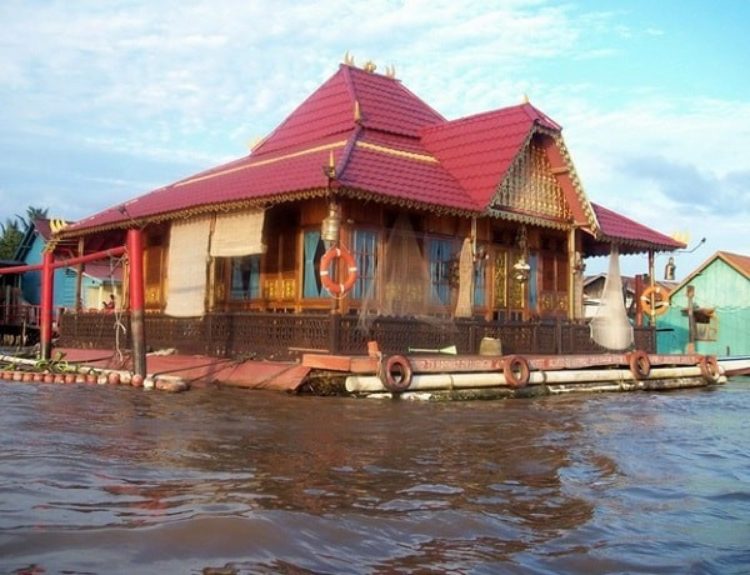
(314, 250)
(706, 325)
(532, 281)
(480, 282)
(365, 254)
(245, 274)
(441, 253)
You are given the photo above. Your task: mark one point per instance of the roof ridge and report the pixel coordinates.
(347, 73)
(347, 153)
(535, 114)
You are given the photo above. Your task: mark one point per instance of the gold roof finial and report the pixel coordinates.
(255, 142)
(525, 98)
(390, 71)
(357, 111)
(369, 67)
(348, 59)
(331, 170)
(56, 225)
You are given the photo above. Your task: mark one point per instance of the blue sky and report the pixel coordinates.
(104, 101)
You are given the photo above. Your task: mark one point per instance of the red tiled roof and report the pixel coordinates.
(386, 144)
(478, 150)
(327, 111)
(387, 106)
(402, 175)
(250, 179)
(629, 234)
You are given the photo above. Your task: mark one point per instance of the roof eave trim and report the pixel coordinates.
(529, 219)
(203, 209)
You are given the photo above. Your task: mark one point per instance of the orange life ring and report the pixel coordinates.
(325, 274)
(397, 373)
(640, 364)
(516, 370)
(661, 300)
(710, 368)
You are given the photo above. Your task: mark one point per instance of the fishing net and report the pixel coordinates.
(610, 327)
(417, 278)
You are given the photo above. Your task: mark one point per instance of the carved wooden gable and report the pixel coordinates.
(531, 187)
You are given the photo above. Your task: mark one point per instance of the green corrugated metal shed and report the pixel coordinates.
(721, 302)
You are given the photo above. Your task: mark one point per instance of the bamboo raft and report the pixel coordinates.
(435, 377)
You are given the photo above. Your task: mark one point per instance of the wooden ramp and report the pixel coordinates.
(200, 370)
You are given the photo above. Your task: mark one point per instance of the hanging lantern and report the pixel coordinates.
(669, 270)
(521, 270)
(331, 227)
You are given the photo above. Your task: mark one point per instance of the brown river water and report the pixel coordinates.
(100, 479)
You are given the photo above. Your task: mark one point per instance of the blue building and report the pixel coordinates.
(720, 309)
(98, 282)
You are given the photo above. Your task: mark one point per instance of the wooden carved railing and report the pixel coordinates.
(287, 335)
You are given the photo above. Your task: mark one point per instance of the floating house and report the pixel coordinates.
(368, 215)
(709, 310)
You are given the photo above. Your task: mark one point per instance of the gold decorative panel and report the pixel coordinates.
(270, 289)
(288, 289)
(153, 297)
(501, 279)
(530, 186)
(279, 289)
(516, 294)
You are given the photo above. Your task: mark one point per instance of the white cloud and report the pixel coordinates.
(187, 85)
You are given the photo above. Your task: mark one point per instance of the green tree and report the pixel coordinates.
(33, 213)
(10, 237)
(13, 230)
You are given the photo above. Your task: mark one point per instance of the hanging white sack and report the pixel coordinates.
(465, 280)
(186, 269)
(611, 327)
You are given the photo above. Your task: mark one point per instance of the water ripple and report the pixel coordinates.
(112, 480)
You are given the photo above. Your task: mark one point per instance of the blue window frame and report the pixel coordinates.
(533, 288)
(480, 282)
(365, 254)
(245, 273)
(441, 253)
(314, 250)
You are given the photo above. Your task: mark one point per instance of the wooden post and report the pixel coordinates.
(334, 336)
(637, 295)
(45, 321)
(572, 273)
(137, 331)
(652, 285)
(691, 320)
(79, 278)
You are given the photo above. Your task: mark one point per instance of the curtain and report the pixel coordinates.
(238, 234)
(466, 277)
(186, 269)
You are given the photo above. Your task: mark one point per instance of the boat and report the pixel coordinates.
(735, 365)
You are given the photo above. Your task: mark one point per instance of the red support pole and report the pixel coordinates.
(137, 332)
(66, 263)
(45, 321)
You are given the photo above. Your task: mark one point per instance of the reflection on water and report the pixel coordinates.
(116, 480)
